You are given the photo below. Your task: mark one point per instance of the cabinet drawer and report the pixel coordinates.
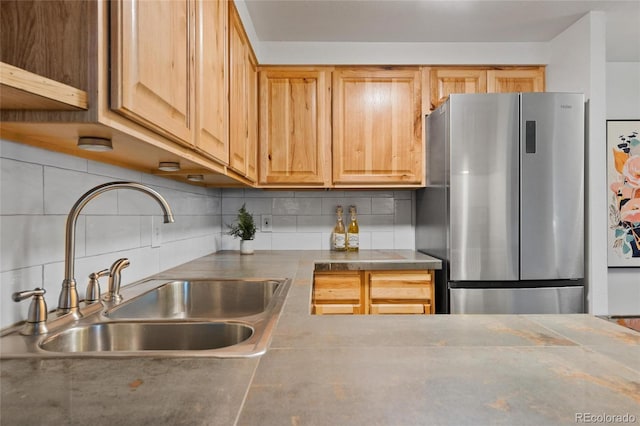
(408, 286)
(400, 308)
(336, 308)
(337, 287)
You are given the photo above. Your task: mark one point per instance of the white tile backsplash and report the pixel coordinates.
(39, 187)
(304, 220)
(25, 195)
(296, 206)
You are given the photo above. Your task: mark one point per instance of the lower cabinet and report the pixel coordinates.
(373, 292)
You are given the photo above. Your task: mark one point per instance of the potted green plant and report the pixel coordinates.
(245, 229)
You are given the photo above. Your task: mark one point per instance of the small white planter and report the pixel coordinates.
(246, 246)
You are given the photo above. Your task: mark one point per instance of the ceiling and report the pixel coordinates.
(438, 21)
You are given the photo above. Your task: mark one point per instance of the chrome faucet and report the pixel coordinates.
(68, 302)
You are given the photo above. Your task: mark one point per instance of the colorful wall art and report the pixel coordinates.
(623, 171)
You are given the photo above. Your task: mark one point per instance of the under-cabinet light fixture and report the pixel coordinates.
(195, 178)
(169, 166)
(94, 144)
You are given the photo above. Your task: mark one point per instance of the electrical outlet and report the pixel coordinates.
(266, 223)
(156, 231)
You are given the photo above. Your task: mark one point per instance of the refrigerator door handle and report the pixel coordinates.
(530, 138)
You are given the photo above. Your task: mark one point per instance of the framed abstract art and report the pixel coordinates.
(623, 194)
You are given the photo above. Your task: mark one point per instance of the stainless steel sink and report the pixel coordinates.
(147, 336)
(163, 318)
(199, 299)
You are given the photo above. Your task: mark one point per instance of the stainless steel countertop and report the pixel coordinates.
(351, 370)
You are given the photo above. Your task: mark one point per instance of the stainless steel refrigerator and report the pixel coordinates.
(504, 203)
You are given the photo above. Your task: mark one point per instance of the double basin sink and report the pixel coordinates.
(218, 318)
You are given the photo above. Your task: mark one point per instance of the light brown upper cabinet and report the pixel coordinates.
(295, 126)
(243, 100)
(152, 65)
(170, 70)
(447, 80)
(515, 80)
(212, 77)
(150, 75)
(377, 126)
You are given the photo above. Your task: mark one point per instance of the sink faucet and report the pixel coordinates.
(68, 300)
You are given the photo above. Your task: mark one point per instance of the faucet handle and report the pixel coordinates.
(37, 317)
(93, 286)
(114, 280)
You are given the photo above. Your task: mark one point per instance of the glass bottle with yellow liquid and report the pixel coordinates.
(339, 237)
(353, 232)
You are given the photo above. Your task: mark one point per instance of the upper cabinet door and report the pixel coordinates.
(212, 79)
(252, 117)
(445, 81)
(295, 126)
(377, 126)
(515, 80)
(238, 111)
(152, 64)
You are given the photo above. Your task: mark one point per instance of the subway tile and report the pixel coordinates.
(21, 187)
(296, 241)
(117, 173)
(178, 252)
(403, 212)
(297, 206)
(111, 234)
(30, 154)
(382, 205)
(363, 205)
(34, 240)
(368, 194)
(13, 281)
(163, 182)
(407, 194)
(404, 237)
(316, 223)
(230, 206)
(189, 227)
(262, 241)
(232, 193)
(382, 240)
(133, 202)
(252, 193)
(229, 243)
(365, 240)
(326, 241)
(146, 228)
(285, 223)
(318, 194)
(259, 206)
(214, 192)
(375, 223)
(62, 188)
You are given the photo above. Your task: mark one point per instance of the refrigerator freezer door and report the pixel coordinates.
(484, 199)
(552, 186)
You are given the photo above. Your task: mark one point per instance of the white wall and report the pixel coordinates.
(37, 190)
(303, 220)
(577, 64)
(623, 102)
(319, 53)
